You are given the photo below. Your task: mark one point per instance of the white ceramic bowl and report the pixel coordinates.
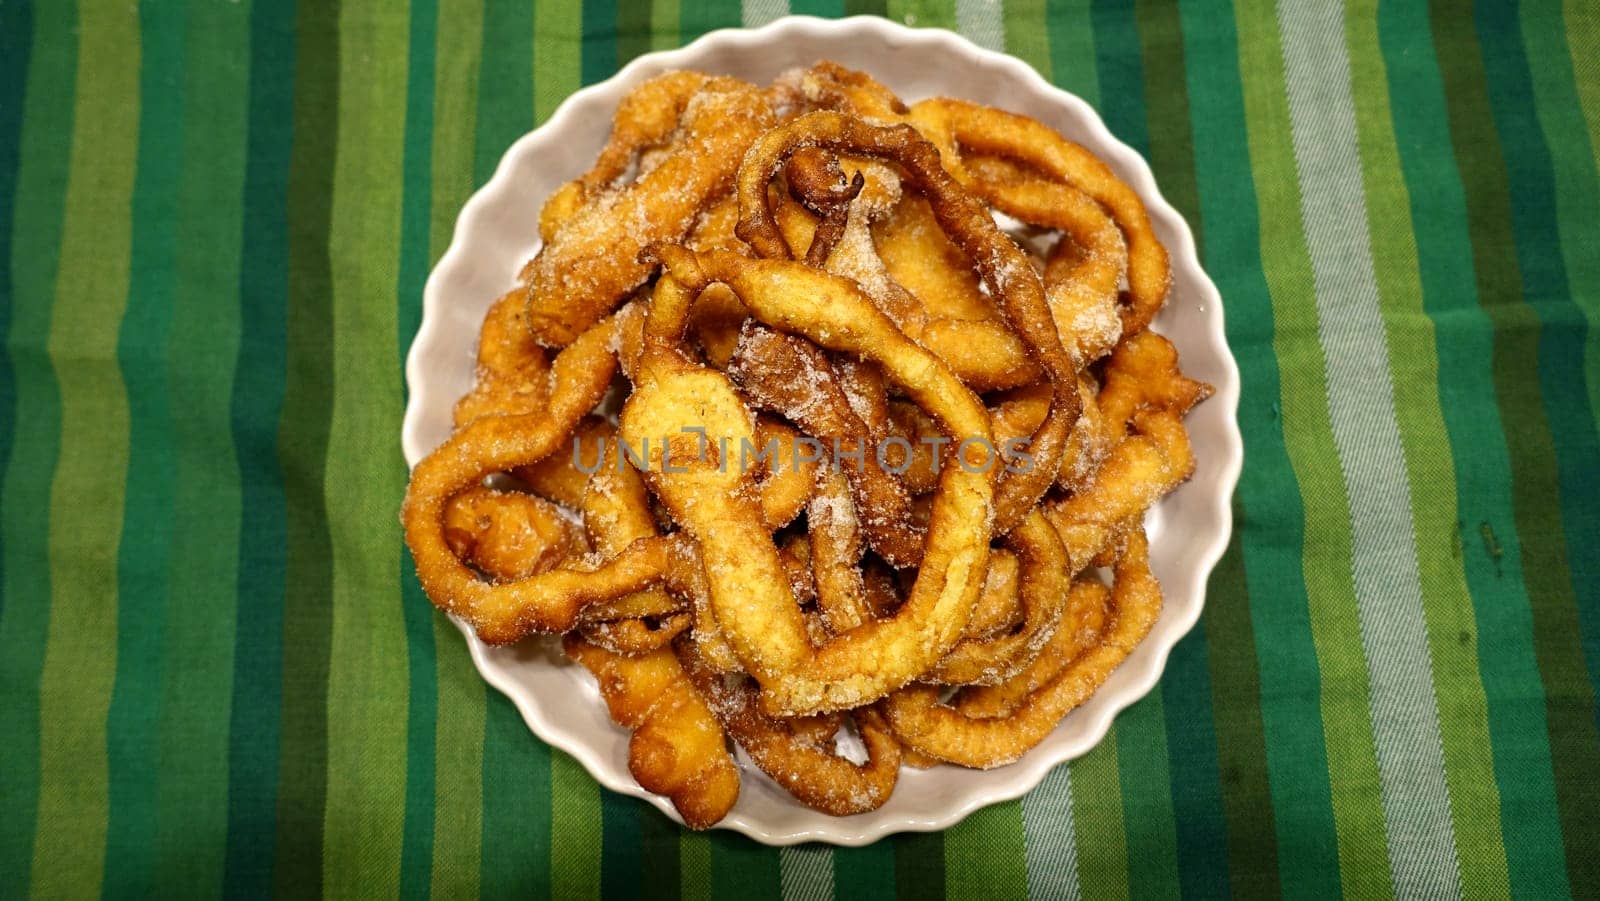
(497, 232)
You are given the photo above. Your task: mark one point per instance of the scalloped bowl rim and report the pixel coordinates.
(1212, 496)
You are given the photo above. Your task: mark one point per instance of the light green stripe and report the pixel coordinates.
(694, 863)
(1414, 374)
(557, 55)
(87, 495)
(983, 854)
(458, 743)
(200, 613)
(1097, 822)
(1028, 34)
(664, 15)
(367, 687)
(575, 829)
(455, 112)
(1345, 696)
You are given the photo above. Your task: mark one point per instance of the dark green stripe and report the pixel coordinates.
(258, 392)
(41, 178)
(143, 565)
(741, 868)
(1194, 777)
(516, 765)
(633, 29)
(1270, 523)
(16, 34)
(866, 7)
(660, 860)
(303, 450)
(864, 872)
(416, 854)
(623, 873)
(600, 33)
(919, 866)
(1251, 843)
(1531, 180)
(1575, 748)
(1488, 541)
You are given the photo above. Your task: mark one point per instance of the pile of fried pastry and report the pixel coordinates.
(821, 425)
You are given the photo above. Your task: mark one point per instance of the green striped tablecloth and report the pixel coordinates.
(218, 672)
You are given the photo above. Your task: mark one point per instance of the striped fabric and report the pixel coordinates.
(218, 672)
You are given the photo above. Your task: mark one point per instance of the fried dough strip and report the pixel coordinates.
(791, 376)
(1085, 271)
(1044, 584)
(941, 731)
(1079, 631)
(957, 125)
(513, 372)
(591, 264)
(677, 748)
(508, 534)
(1008, 273)
(748, 589)
(798, 756)
(548, 602)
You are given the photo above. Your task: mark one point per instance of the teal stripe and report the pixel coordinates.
(1577, 171)
(1507, 657)
(416, 854)
(258, 392)
(200, 615)
(516, 765)
(1521, 380)
(756, 13)
(696, 19)
(41, 178)
(1072, 53)
(143, 564)
(741, 869)
(1545, 288)
(200, 612)
(516, 806)
(1270, 527)
(600, 40)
